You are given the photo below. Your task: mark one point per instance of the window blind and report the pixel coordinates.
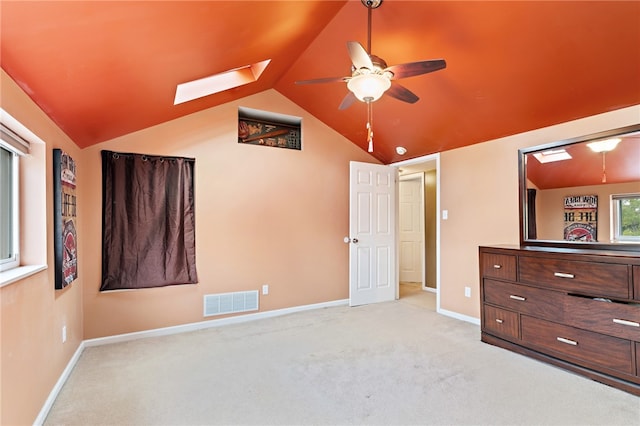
(13, 140)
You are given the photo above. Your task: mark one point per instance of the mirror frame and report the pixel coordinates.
(522, 191)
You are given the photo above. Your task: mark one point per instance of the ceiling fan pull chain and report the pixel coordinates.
(369, 126)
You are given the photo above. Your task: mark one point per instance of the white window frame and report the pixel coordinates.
(14, 260)
(32, 251)
(615, 218)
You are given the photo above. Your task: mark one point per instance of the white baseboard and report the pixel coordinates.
(165, 331)
(44, 411)
(461, 317)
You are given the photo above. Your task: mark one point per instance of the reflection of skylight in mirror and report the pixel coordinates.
(552, 155)
(220, 82)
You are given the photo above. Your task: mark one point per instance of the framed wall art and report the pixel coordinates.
(64, 219)
(581, 218)
(257, 127)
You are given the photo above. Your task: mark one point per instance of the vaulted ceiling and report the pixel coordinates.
(102, 69)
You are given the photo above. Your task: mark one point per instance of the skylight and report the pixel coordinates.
(552, 155)
(226, 80)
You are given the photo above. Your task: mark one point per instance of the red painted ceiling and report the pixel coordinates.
(102, 69)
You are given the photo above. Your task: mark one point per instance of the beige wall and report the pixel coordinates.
(32, 355)
(263, 216)
(550, 208)
(479, 188)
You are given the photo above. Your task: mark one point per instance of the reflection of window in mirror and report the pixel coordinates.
(625, 217)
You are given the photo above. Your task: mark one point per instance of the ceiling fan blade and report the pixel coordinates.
(347, 101)
(416, 68)
(402, 93)
(324, 80)
(359, 57)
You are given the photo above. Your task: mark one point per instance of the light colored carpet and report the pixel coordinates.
(395, 363)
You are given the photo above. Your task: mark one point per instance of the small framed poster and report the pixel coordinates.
(257, 127)
(64, 219)
(581, 218)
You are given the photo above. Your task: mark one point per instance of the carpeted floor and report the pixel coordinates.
(395, 363)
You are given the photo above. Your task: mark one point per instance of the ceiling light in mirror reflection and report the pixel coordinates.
(605, 145)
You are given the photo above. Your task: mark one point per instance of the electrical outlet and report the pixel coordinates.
(265, 289)
(467, 292)
(445, 214)
(64, 333)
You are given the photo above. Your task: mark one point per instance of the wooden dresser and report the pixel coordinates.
(577, 309)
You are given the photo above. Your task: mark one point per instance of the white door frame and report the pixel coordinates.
(428, 158)
(419, 177)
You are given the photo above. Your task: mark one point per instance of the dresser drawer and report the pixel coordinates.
(528, 300)
(502, 266)
(501, 322)
(591, 278)
(616, 319)
(580, 346)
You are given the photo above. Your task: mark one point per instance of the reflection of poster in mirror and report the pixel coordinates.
(581, 218)
(64, 221)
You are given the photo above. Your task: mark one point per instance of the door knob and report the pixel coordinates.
(350, 240)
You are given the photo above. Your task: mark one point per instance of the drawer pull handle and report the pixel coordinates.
(625, 322)
(520, 298)
(497, 266)
(563, 275)
(567, 341)
(499, 321)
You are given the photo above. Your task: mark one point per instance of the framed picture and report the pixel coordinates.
(64, 219)
(581, 218)
(257, 127)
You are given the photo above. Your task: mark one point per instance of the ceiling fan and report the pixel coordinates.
(371, 77)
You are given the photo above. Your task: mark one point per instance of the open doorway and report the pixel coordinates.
(418, 227)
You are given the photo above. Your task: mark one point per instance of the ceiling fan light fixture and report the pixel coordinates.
(368, 87)
(604, 145)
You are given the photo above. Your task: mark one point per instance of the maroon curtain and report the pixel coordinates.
(148, 221)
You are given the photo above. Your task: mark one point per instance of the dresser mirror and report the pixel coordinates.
(582, 192)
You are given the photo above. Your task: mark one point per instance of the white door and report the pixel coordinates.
(411, 227)
(372, 227)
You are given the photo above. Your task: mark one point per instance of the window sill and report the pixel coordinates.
(19, 273)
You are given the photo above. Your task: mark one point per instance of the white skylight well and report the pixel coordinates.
(552, 155)
(219, 82)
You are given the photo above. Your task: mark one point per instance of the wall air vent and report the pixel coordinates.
(230, 303)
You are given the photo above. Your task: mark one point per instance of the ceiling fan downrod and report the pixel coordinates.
(370, 4)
